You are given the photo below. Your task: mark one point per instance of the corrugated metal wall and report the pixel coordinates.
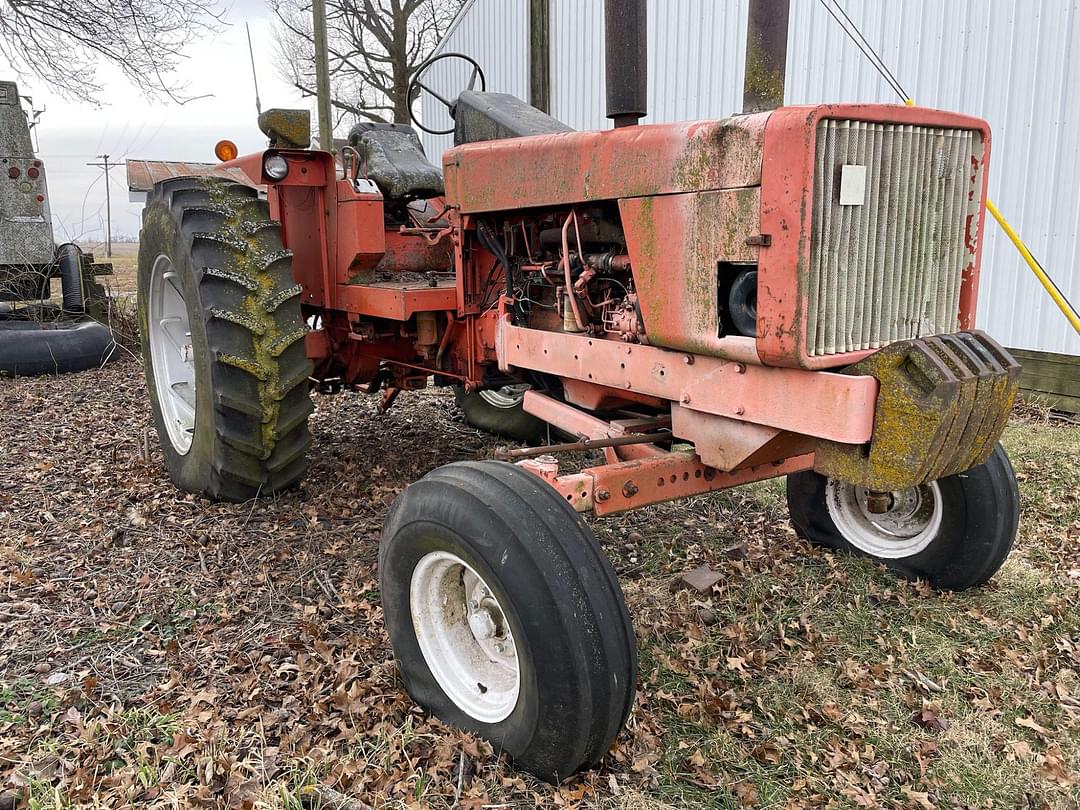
(496, 34)
(695, 60)
(1014, 62)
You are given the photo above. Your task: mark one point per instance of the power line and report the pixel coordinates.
(108, 203)
(848, 26)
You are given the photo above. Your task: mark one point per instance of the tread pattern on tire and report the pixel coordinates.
(566, 527)
(255, 332)
(581, 582)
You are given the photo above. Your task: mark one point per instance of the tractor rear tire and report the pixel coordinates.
(222, 340)
(505, 617)
(500, 411)
(955, 532)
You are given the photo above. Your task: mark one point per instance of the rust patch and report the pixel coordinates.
(763, 82)
(676, 242)
(607, 165)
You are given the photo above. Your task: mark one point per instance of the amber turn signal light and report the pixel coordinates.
(225, 150)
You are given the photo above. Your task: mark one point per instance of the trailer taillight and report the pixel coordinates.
(13, 172)
(32, 172)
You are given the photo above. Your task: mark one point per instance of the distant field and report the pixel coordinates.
(124, 260)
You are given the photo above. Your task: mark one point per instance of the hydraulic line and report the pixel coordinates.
(570, 294)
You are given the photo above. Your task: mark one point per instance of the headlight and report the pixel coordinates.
(275, 167)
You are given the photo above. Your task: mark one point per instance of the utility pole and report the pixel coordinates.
(322, 75)
(108, 204)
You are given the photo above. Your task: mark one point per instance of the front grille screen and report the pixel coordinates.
(888, 251)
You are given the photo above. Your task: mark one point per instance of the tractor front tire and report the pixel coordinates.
(222, 340)
(954, 532)
(505, 617)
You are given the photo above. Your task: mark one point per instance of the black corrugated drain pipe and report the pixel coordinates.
(69, 257)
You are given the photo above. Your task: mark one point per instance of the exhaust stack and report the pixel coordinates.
(626, 59)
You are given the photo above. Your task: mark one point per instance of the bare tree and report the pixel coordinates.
(60, 41)
(375, 47)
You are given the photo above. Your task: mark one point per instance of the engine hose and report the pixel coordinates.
(571, 296)
(69, 257)
(488, 240)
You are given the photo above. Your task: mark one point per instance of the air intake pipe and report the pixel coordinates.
(626, 59)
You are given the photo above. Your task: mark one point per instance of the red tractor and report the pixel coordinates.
(790, 293)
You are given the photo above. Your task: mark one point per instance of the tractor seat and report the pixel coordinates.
(395, 161)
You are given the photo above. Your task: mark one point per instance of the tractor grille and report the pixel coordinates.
(888, 265)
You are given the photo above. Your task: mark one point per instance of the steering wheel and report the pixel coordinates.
(416, 84)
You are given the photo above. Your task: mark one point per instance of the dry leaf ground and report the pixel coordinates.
(157, 650)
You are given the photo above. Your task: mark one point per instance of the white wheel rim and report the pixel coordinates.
(464, 637)
(171, 353)
(507, 397)
(905, 529)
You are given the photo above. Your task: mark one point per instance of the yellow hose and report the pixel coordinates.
(1036, 268)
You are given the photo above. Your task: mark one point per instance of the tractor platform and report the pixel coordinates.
(397, 300)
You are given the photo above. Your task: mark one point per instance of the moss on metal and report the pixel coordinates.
(249, 268)
(942, 406)
(762, 82)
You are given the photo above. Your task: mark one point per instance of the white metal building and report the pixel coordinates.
(1014, 62)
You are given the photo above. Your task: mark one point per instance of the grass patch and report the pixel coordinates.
(836, 680)
(24, 701)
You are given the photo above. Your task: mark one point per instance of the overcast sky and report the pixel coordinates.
(71, 134)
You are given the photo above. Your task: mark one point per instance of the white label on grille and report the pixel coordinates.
(852, 185)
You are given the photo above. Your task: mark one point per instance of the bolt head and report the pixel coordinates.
(602, 494)
(739, 410)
